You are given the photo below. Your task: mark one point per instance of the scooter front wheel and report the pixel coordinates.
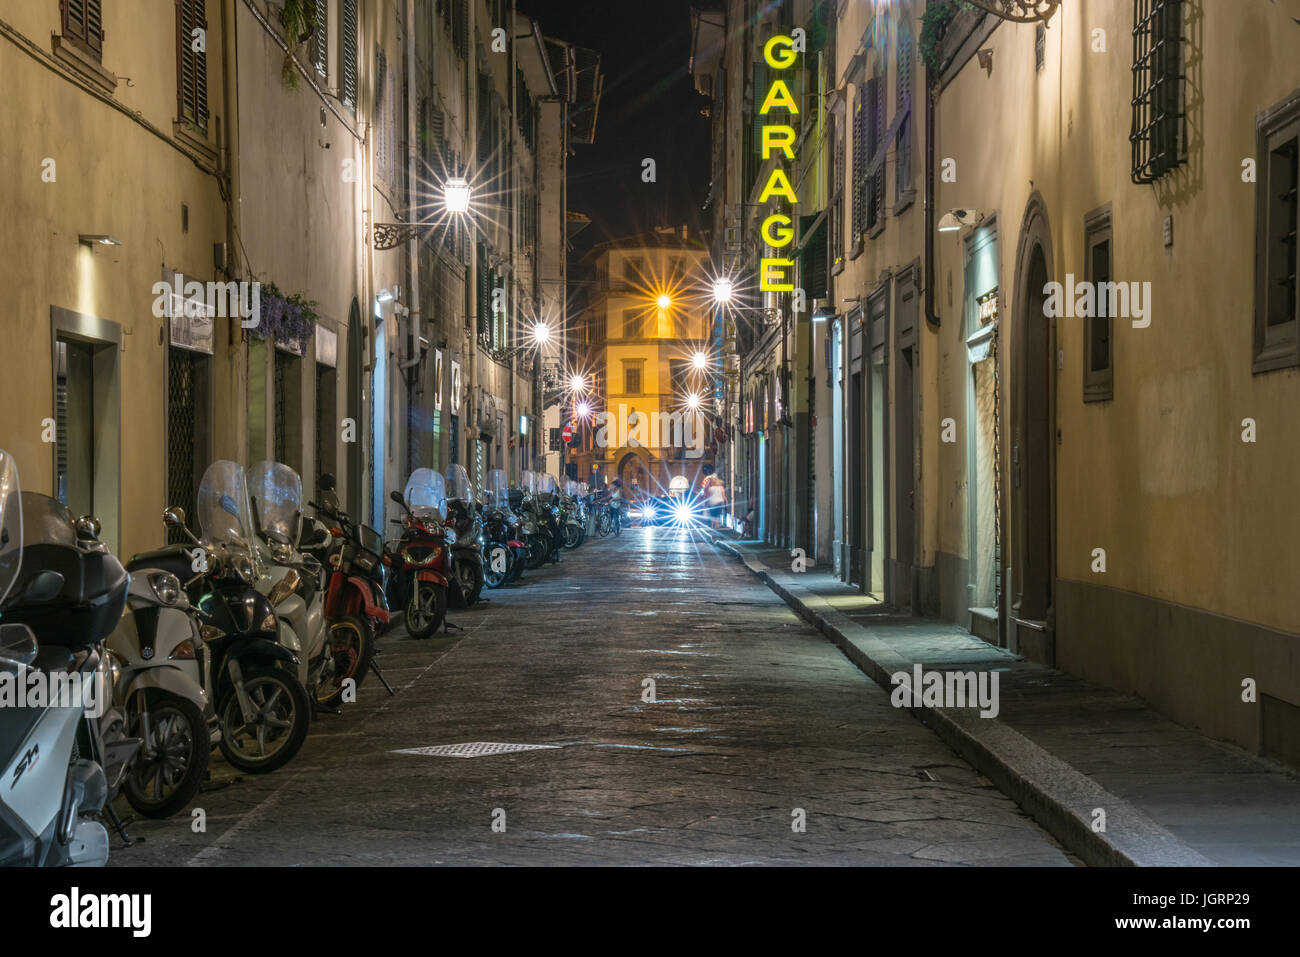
(170, 768)
(425, 609)
(279, 724)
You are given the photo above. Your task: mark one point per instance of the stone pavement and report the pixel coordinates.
(1063, 748)
(758, 722)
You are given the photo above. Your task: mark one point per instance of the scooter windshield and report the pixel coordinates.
(496, 490)
(426, 494)
(528, 481)
(225, 517)
(276, 493)
(458, 484)
(11, 524)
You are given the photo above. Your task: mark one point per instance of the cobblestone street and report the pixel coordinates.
(755, 717)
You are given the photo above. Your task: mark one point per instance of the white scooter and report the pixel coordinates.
(61, 592)
(294, 584)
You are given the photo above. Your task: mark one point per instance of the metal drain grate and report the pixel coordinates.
(474, 749)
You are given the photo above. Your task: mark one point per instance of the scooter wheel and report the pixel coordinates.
(353, 647)
(277, 695)
(426, 609)
(169, 770)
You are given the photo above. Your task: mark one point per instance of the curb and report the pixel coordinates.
(1053, 793)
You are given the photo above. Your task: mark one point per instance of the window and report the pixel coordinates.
(1277, 315)
(1159, 130)
(348, 53)
(632, 378)
(633, 270)
(83, 24)
(903, 152)
(875, 186)
(835, 215)
(859, 169)
(1099, 330)
(634, 323)
(320, 38)
(192, 67)
(1040, 46)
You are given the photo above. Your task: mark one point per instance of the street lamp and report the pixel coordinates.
(699, 360)
(578, 383)
(541, 333)
(664, 301)
(455, 194)
(584, 410)
(693, 401)
(722, 291)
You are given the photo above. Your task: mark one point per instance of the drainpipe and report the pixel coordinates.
(412, 335)
(931, 317)
(230, 93)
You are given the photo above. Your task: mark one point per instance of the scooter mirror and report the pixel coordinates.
(174, 516)
(326, 482)
(396, 496)
(88, 527)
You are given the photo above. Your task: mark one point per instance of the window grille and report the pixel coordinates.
(1159, 130)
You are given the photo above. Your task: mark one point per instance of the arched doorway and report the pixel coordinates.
(1033, 449)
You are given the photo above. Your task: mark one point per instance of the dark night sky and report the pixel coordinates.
(649, 109)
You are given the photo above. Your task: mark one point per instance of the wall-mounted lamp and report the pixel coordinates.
(955, 219)
(98, 240)
(821, 314)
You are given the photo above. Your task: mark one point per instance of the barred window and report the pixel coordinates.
(320, 38)
(348, 53)
(1159, 130)
(191, 67)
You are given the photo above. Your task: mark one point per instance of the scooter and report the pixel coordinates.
(61, 592)
(262, 708)
(293, 581)
(161, 667)
(465, 537)
(418, 559)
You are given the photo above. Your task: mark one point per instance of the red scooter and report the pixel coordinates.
(419, 560)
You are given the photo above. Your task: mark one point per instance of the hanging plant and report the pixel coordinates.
(938, 16)
(287, 320)
(298, 17)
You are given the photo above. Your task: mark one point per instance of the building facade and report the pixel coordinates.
(1061, 271)
(293, 153)
(642, 412)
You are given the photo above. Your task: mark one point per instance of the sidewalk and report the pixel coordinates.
(1062, 748)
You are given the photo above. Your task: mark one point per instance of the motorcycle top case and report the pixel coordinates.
(95, 585)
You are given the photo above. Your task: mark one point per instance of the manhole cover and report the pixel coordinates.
(474, 749)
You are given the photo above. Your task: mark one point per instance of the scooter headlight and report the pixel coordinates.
(281, 552)
(243, 566)
(166, 587)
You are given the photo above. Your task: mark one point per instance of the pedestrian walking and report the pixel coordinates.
(715, 495)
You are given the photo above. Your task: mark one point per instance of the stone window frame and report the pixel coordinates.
(1277, 346)
(1098, 384)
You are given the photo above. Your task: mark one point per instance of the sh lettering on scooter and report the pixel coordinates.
(75, 910)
